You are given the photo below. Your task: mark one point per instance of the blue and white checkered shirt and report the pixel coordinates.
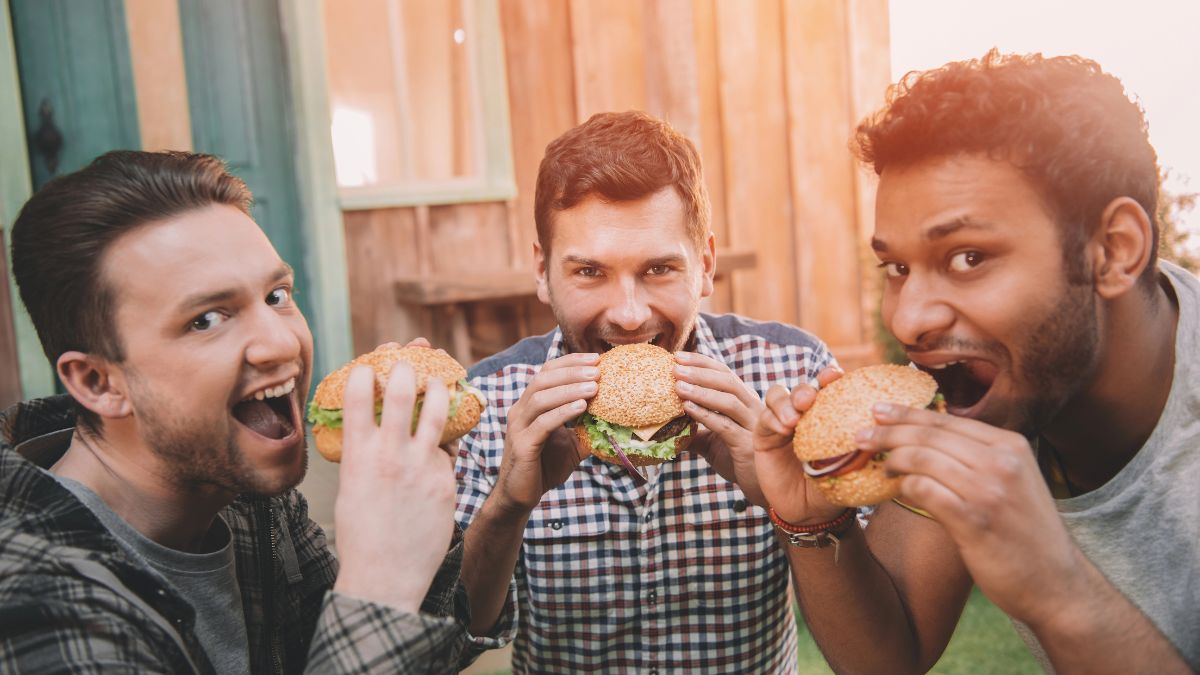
(677, 575)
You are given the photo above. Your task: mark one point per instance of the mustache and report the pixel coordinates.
(951, 344)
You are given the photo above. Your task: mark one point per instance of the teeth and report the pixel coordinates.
(274, 392)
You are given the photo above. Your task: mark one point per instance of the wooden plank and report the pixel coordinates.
(822, 171)
(541, 86)
(672, 74)
(608, 44)
(471, 238)
(10, 367)
(379, 249)
(750, 62)
(156, 49)
(712, 143)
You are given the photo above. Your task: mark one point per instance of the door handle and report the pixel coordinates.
(48, 140)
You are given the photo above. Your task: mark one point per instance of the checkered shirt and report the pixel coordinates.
(73, 600)
(678, 575)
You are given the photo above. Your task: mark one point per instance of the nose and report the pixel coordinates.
(274, 340)
(916, 311)
(630, 311)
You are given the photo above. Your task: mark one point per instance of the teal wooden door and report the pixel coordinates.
(77, 90)
(240, 106)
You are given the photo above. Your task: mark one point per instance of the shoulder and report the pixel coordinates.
(731, 326)
(530, 351)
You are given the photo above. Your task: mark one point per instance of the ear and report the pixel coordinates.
(543, 284)
(95, 383)
(708, 259)
(1122, 247)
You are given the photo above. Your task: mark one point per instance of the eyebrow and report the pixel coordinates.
(224, 295)
(939, 231)
(672, 258)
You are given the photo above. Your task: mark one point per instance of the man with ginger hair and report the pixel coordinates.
(682, 573)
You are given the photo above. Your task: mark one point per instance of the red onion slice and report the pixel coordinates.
(637, 475)
(817, 473)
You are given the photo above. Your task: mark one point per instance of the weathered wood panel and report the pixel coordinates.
(822, 170)
(711, 139)
(608, 41)
(754, 121)
(541, 98)
(380, 246)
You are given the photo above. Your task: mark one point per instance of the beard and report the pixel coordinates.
(204, 452)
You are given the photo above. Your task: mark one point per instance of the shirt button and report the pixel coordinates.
(654, 671)
(556, 524)
(652, 596)
(649, 516)
(739, 505)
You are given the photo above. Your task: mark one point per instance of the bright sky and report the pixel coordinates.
(1153, 46)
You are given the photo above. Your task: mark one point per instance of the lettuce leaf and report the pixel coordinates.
(597, 428)
(332, 417)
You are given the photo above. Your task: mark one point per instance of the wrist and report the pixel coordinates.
(502, 510)
(403, 597)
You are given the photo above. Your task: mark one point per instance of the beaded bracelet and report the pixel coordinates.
(819, 535)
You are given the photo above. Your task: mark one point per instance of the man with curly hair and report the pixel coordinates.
(1015, 222)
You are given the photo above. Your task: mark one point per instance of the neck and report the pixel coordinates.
(1103, 428)
(135, 484)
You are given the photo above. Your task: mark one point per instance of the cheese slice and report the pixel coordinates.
(646, 433)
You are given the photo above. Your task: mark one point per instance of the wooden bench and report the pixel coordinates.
(449, 292)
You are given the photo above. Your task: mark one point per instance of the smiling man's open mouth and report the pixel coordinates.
(963, 383)
(271, 412)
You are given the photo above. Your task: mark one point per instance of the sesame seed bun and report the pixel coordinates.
(636, 386)
(426, 363)
(840, 411)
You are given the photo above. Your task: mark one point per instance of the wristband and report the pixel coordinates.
(819, 535)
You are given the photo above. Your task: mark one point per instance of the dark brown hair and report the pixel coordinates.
(620, 157)
(62, 233)
(1062, 121)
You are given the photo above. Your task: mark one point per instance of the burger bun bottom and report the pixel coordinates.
(329, 441)
(865, 487)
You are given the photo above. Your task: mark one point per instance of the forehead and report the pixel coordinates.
(596, 228)
(915, 199)
(213, 248)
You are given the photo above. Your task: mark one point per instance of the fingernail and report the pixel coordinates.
(883, 409)
(688, 405)
(685, 387)
(589, 387)
(683, 370)
(864, 435)
(579, 405)
(591, 372)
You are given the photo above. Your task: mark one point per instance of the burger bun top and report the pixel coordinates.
(426, 363)
(637, 386)
(843, 408)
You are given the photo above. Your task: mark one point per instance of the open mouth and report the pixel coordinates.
(963, 383)
(655, 340)
(272, 412)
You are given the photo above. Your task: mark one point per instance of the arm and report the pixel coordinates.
(539, 454)
(891, 601)
(984, 486)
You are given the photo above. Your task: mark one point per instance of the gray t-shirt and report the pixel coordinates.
(206, 580)
(1142, 528)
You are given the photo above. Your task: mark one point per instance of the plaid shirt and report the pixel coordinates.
(72, 600)
(678, 575)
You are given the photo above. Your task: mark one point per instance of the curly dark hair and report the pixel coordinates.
(620, 156)
(1062, 121)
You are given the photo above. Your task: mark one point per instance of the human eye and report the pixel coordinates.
(658, 270)
(965, 261)
(894, 270)
(207, 321)
(587, 272)
(280, 297)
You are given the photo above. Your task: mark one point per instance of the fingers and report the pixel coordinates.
(398, 400)
(419, 342)
(708, 373)
(802, 398)
(358, 403)
(433, 414)
(891, 414)
(964, 449)
(565, 375)
(777, 422)
(711, 419)
(698, 398)
(547, 422)
(829, 375)
(535, 403)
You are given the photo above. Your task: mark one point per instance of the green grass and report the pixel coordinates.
(984, 643)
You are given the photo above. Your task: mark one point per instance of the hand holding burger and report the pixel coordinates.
(430, 365)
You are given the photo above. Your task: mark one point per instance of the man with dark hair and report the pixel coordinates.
(1015, 222)
(149, 521)
(681, 573)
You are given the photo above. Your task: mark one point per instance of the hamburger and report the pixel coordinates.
(430, 365)
(635, 418)
(824, 438)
